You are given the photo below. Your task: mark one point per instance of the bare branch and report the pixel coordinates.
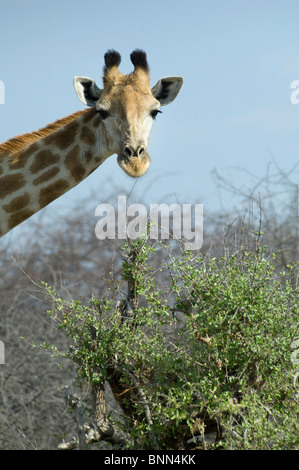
(74, 403)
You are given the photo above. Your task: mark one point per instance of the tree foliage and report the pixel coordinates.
(201, 360)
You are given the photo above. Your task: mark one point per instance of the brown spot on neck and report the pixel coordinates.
(88, 136)
(73, 164)
(52, 192)
(11, 183)
(42, 160)
(64, 137)
(88, 155)
(17, 203)
(19, 217)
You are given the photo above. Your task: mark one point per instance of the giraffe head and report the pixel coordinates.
(127, 106)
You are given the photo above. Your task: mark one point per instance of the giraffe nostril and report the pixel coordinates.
(140, 151)
(131, 152)
(128, 151)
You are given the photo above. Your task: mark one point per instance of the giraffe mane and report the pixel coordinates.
(21, 142)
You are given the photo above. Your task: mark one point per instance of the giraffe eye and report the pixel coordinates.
(104, 114)
(155, 112)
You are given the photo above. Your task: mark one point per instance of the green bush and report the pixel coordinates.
(197, 353)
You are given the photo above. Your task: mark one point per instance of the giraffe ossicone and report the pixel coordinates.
(38, 167)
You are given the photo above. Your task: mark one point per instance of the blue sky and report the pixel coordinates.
(238, 59)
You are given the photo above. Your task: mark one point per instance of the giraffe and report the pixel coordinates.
(38, 167)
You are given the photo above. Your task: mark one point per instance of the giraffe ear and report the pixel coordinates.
(87, 90)
(167, 89)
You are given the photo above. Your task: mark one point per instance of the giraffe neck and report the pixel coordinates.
(37, 168)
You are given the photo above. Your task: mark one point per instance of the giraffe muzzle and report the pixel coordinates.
(134, 161)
